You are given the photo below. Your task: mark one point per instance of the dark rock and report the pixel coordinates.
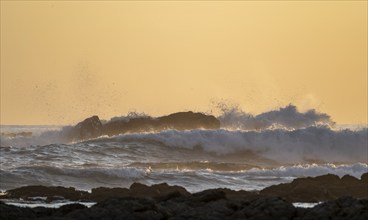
(342, 208)
(89, 128)
(347, 179)
(321, 188)
(241, 194)
(210, 204)
(127, 208)
(158, 190)
(188, 121)
(52, 193)
(102, 193)
(364, 178)
(327, 179)
(10, 212)
(66, 209)
(210, 195)
(178, 121)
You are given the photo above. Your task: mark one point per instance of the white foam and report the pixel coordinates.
(288, 118)
(55, 204)
(312, 170)
(302, 145)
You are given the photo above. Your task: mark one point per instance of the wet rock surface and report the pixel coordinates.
(205, 205)
(346, 199)
(92, 127)
(310, 189)
(320, 188)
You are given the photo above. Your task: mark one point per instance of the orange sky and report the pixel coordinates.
(64, 61)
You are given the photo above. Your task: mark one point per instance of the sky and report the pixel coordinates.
(64, 61)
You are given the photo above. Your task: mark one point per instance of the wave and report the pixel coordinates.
(312, 170)
(287, 118)
(191, 179)
(302, 145)
(84, 178)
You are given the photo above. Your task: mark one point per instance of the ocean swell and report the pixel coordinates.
(301, 145)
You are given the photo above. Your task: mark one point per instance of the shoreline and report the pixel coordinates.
(343, 198)
(305, 190)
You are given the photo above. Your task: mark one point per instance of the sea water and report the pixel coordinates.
(247, 153)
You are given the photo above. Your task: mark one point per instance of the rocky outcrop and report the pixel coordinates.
(51, 192)
(321, 188)
(205, 205)
(92, 127)
(136, 190)
(89, 128)
(187, 121)
(342, 208)
(177, 121)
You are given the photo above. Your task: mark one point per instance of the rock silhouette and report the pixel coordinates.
(311, 189)
(92, 127)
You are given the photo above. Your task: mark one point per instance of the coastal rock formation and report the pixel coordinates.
(136, 190)
(162, 201)
(320, 188)
(205, 205)
(89, 128)
(92, 127)
(51, 192)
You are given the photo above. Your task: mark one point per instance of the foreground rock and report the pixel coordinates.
(92, 127)
(137, 190)
(321, 188)
(204, 205)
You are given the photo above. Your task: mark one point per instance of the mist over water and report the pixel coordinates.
(248, 152)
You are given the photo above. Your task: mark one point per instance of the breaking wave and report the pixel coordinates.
(287, 118)
(302, 145)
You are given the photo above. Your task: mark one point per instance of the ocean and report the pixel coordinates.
(194, 159)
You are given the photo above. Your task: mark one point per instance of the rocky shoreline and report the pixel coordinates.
(344, 198)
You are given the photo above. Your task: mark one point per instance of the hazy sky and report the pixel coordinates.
(64, 61)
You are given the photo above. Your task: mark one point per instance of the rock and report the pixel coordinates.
(52, 193)
(158, 190)
(327, 179)
(240, 194)
(342, 208)
(92, 127)
(321, 188)
(127, 208)
(347, 179)
(209, 195)
(12, 212)
(102, 193)
(188, 121)
(66, 209)
(89, 128)
(210, 204)
(364, 178)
